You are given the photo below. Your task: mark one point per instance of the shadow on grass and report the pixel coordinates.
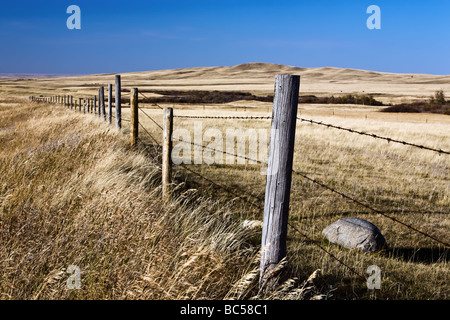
(422, 255)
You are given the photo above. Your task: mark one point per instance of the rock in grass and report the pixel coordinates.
(355, 233)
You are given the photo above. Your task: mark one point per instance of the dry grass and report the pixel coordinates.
(72, 192)
(409, 184)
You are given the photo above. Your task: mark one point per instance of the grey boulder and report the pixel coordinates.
(355, 233)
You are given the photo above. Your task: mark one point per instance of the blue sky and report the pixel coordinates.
(126, 36)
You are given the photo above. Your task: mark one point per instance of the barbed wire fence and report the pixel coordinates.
(68, 101)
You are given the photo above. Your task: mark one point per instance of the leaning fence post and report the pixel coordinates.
(279, 175)
(166, 152)
(118, 103)
(134, 130)
(109, 103)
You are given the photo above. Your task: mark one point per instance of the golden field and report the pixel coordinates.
(73, 192)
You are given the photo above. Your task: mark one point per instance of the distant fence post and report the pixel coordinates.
(95, 105)
(109, 103)
(118, 103)
(279, 175)
(79, 107)
(134, 129)
(71, 102)
(101, 102)
(166, 152)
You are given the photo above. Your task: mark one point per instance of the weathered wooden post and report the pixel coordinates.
(166, 152)
(118, 103)
(101, 103)
(109, 103)
(71, 102)
(134, 130)
(84, 105)
(279, 175)
(95, 105)
(79, 106)
(88, 105)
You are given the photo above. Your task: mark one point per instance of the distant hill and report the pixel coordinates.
(255, 78)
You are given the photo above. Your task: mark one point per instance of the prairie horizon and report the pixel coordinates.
(164, 183)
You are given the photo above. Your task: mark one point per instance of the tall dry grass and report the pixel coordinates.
(73, 193)
(409, 184)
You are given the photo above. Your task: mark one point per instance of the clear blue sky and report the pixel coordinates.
(125, 36)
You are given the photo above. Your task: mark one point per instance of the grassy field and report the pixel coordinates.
(73, 192)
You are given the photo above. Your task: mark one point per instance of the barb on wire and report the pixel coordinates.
(227, 117)
(373, 135)
(328, 125)
(221, 151)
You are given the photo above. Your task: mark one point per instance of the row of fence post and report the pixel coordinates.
(85, 105)
(279, 171)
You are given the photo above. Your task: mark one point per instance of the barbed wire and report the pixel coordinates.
(154, 140)
(328, 125)
(332, 190)
(316, 243)
(227, 117)
(373, 135)
(261, 207)
(151, 118)
(370, 208)
(154, 104)
(225, 188)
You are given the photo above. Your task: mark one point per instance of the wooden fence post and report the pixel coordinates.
(71, 102)
(134, 129)
(118, 103)
(166, 152)
(101, 103)
(279, 175)
(79, 107)
(109, 103)
(95, 105)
